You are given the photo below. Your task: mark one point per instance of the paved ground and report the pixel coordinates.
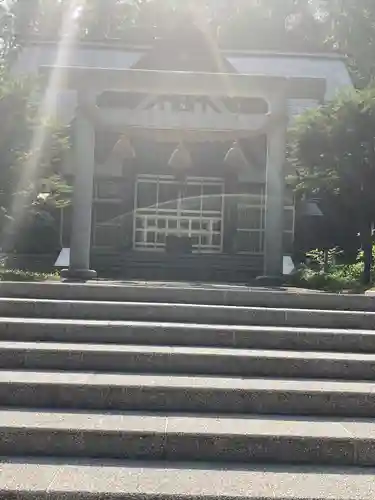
(212, 286)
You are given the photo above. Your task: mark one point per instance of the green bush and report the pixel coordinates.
(336, 281)
(328, 275)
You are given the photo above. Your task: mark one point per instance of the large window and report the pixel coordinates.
(251, 220)
(193, 209)
(107, 213)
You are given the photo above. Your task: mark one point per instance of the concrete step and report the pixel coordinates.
(54, 479)
(181, 373)
(134, 436)
(189, 313)
(185, 360)
(189, 294)
(132, 392)
(184, 334)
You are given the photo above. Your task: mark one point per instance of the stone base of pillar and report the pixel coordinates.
(78, 275)
(270, 280)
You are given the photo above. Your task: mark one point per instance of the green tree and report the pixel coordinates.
(350, 29)
(27, 164)
(288, 25)
(31, 147)
(333, 151)
(238, 24)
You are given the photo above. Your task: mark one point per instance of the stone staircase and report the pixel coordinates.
(182, 392)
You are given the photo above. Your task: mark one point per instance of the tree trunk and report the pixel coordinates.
(366, 237)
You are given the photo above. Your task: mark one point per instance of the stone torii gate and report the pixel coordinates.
(89, 83)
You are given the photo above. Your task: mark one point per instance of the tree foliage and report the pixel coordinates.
(333, 151)
(239, 24)
(297, 25)
(288, 25)
(27, 165)
(350, 29)
(31, 151)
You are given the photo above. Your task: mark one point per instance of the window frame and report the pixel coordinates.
(146, 220)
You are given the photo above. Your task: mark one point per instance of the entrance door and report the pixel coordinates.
(164, 207)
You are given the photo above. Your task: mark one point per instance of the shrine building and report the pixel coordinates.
(178, 158)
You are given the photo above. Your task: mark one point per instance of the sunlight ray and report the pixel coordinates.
(39, 142)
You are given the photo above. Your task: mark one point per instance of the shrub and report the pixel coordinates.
(328, 275)
(20, 275)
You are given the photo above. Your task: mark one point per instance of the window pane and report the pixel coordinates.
(212, 198)
(151, 223)
(161, 238)
(249, 242)
(108, 212)
(139, 237)
(146, 195)
(140, 223)
(151, 237)
(106, 236)
(216, 240)
(160, 198)
(168, 195)
(250, 218)
(192, 198)
(217, 226)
